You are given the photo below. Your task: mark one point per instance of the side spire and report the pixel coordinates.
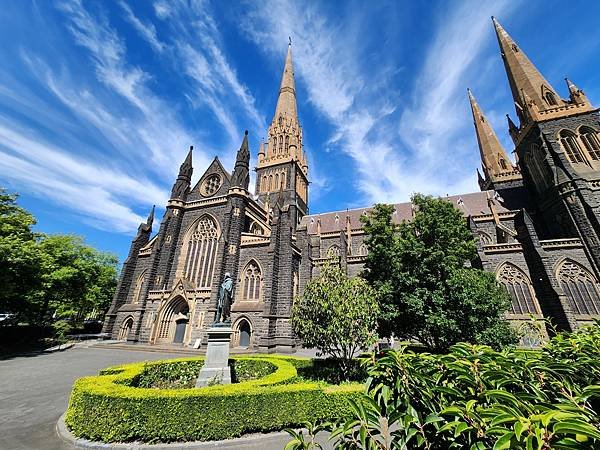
(150, 219)
(524, 79)
(182, 184)
(495, 162)
(241, 171)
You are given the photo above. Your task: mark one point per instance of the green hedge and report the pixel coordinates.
(110, 408)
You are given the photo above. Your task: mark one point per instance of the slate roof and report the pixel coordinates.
(472, 204)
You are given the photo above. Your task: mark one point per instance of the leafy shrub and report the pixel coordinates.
(110, 408)
(330, 371)
(337, 315)
(477, 398)
(61, 328)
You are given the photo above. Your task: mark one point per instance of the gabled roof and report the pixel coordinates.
(471, 204)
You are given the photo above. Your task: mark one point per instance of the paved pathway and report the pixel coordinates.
(34, 392)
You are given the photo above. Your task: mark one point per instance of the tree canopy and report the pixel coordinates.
(427, 289)
(49, 275)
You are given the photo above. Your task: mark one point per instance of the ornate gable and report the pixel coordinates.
(214, 182)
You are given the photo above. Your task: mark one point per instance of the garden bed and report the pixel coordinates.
(153, 402)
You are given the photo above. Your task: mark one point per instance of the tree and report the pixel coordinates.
(77, 279)
(337, 315)
(46, 275)
(428, 292)
(19, 259)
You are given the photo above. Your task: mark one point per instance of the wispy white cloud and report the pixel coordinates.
(92, 190)
(145, 29)
(393, 161)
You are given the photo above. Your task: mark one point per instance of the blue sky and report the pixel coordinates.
(99, 101)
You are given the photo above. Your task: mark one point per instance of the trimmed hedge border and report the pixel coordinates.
(107, 408)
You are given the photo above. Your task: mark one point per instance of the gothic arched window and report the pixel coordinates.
(520, 289)
(251, 282)
(256, 229)
(535, 165)
(287, 143)
(590, 140)
(549, 96)
(270, 182)
(137, 291)
(333, 251)
(280, 144)
(569, 143)
(283, 179)
(484, 238)
(503, 164)
(363, 250)
(201, 253)
(580, 287)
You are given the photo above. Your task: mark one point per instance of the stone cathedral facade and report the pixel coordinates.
(537, 225)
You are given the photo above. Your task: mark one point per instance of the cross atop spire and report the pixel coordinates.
(494, 160)
(524, 79)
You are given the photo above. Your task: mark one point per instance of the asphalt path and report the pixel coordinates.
(34, 391)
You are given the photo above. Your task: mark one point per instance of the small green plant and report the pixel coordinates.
(61, 328)
(301, 442)
(337, 315)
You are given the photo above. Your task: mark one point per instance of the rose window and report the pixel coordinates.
(211, 185)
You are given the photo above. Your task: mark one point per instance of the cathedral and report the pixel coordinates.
(537, 225)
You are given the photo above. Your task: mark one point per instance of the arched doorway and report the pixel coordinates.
(243, 334)
(125, 329)
(173, 322)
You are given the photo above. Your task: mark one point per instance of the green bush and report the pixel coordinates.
(110, 408)
(477, 398)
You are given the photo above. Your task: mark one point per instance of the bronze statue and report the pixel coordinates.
(223, 313)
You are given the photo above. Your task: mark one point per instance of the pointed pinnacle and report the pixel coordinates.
(151, 216)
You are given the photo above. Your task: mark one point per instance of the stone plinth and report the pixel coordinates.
(216, 369)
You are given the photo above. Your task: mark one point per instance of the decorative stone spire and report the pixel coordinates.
(285, 133)
(241, 171)
(261, 149)
(576, 94)
(523, 77)
(150, 219)
(145, 229)
(495, 162)
(182, 184)
(286, 102)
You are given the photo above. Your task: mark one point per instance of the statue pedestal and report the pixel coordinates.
(215, 369)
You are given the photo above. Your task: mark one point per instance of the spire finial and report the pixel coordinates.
(290, 43)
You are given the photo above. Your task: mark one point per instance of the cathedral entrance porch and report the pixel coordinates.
(172, 325)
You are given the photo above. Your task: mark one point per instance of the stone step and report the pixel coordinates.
(162, 348)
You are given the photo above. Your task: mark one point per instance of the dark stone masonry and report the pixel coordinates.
(537, 224)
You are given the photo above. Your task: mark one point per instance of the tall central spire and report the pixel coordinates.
(282, 168)
(285, 134)
(526, 82)
(286, 102)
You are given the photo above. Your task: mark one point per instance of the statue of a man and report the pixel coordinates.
(225, 299)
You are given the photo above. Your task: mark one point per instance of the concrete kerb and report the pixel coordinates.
(266, 441)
